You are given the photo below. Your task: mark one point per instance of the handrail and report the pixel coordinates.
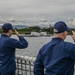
(24, 65)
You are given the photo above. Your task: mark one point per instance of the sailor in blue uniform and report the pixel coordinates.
(7, 49)
(57, 56)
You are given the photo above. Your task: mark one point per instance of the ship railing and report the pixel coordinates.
(24, 65)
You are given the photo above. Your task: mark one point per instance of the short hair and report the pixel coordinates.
(4, 29)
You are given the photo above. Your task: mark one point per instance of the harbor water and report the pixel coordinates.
(35, 43)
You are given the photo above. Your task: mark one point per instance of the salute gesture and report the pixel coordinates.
(17, 33)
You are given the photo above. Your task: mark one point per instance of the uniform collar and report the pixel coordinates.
(4, 35)
(57, 39)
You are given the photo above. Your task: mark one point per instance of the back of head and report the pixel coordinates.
(6, 27)
(60, 27)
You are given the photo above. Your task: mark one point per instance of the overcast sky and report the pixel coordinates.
(28, 9)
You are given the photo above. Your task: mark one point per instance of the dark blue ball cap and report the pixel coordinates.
(7, 26)
(60, 27)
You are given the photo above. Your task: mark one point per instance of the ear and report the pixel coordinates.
(64, 33)
(9, 31)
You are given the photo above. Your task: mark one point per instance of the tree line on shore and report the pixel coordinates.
(35, 29)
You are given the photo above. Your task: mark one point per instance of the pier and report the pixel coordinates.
(24, 65)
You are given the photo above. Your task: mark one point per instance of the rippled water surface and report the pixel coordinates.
(35, 43)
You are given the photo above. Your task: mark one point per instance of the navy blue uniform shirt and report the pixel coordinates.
(55, 58)
(7, 52)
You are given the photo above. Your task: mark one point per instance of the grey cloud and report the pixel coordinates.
(36, 8)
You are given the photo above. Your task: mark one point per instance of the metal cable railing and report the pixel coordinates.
(24, 65)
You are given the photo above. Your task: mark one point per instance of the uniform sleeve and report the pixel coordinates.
(72, 52)
(38, 65)
(21, 43)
